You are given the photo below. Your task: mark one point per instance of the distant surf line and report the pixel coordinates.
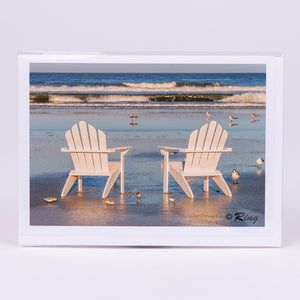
(148, 87)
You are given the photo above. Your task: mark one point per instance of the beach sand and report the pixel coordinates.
(143, 171)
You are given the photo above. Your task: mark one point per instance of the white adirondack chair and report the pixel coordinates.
(202, 157)
(89, 154)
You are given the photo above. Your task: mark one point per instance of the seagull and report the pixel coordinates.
(253, 115)
(235, 175)
(50, 199)
(208, 114)
(259, 162)
(231, 118)
(109, 201)
(138, 195)
(172, 199)
(133, 117)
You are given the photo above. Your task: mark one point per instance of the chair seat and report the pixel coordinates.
(178, 166)
(112, 166)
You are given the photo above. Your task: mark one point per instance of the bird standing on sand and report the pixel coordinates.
(208, 114)
(109, 201)
(50, 199)
(253, 115)
(259, 162)
(235, 175)
(132, 117)
(138, 197)
(171, 199)
(231, 118)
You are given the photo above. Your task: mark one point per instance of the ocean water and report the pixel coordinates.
(128, 83)
(118, 79)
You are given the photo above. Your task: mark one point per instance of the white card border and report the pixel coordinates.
(267, 236)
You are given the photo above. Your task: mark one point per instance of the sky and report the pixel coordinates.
(146, 68)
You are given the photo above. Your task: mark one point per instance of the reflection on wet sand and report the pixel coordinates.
(208, 209)
(143, 173)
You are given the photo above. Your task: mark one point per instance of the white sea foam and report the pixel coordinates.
(247, 98)
(147, 85)
(216, 105)
(165, 87)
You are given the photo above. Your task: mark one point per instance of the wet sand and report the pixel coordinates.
(143, 172)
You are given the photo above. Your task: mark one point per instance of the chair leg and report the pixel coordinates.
(182, 182)
(69, 183)
(219, 180)
(110, 181)
(206, 184)
(79, 183)
(166, 176)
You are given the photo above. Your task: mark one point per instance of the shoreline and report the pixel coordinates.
(149, 105)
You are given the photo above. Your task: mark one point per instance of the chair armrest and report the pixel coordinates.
(122, 149)
(169, 149)
(84, 151)
(206, 151)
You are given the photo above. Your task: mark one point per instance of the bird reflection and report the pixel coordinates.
(254, 120)
(132, 124)
(259, 171)
(232, 124)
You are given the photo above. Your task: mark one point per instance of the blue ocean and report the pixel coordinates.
(167, 79)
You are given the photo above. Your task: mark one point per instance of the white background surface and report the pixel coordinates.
(149, 273)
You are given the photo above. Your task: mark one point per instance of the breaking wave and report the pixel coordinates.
(147, 85)
(246, 98)
(150, 87)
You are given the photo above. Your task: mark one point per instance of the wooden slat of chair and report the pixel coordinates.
(191, 146)
(103, 147)
(78, 146)
(207, 143)
(221, 145)
(95, 146)
(199, 146)
(86, 145)
(71, 146)
(210, 165)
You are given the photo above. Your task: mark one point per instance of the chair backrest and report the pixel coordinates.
(83, 137)
(211, 137)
